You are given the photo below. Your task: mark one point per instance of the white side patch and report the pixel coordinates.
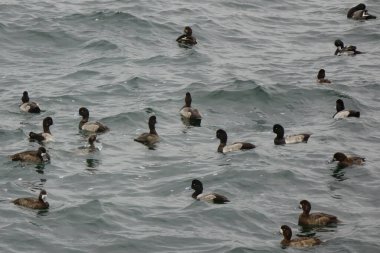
(185, 112)
(48, 137)
(90, 126)
(294, 138)
(232, 147)
(341, 114)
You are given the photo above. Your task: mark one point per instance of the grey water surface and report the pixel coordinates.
(255, 65)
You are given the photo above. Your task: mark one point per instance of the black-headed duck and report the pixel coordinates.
(224, 148)
(359, 12)
(198, 194)
(190, 114)
(187, 38)
(321, 77)
(28, 106)
(342, 113)
(46, 135)
(281, 139)
(345, 50)
(85, 125)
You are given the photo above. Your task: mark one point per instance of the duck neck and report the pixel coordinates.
(152, 129)
(46, 129)
(196, 193)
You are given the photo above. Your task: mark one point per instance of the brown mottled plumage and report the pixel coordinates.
(33, 203)
(345, 161)
(314, 219)
(300, 242)
(35, 156)
(151, 137)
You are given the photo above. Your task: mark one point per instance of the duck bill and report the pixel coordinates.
(44, 198)
(45, 157)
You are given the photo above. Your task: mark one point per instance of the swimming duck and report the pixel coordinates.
(224, 148)
(37, 156)
(151, 137)
(186, 38)
(280, 139)
(359, 12)
(198, 194)
(345, 161)
(348, 50)
(28, 106)
(33, 203)
(90, 126)
(321, 77)
(46, 135)
(187, 111)
(342, 113)
(300, 242)
(314, 219)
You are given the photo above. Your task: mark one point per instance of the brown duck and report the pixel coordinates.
(300, 242)
(37, 156)
(314, 219)
(33, 203)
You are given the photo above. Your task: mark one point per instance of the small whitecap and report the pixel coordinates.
(171, 190)
(215, 174)
(187, 188)
(5, 189)
(282, 113)
(19, 179)
(90, 189)
(60, 176)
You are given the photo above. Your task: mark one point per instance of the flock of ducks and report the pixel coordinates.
(193, 117)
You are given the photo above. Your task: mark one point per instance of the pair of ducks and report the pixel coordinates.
(280, 139)
(305, 218)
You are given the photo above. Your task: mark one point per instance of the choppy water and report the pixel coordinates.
(255, 65)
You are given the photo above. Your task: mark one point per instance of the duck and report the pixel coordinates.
(345, 50)
(33, 203)
(224, 148)
(96, 127)
(151, 137)
(299, 242)
(314, 219)
(342, 113)
(186, 38)
(345, 161)
(359, 12)
(28, 106)
(34, 156)
(198, 194)
(321, 77)
(187, 111)
(291, 139)
(46, 135)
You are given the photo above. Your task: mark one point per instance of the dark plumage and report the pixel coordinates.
(224, 148)
(280, 139)
(359, 12)
(96, 127)
(342, 113)
(37, 156)
(345, 161)
(188, 112)
(46, 135)
(300, 242)
(28, 106)
(314, 219)
(151, 137)
(198, 194)
(345, 50)
(33, 203)
(186, 38)
(321, 77)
